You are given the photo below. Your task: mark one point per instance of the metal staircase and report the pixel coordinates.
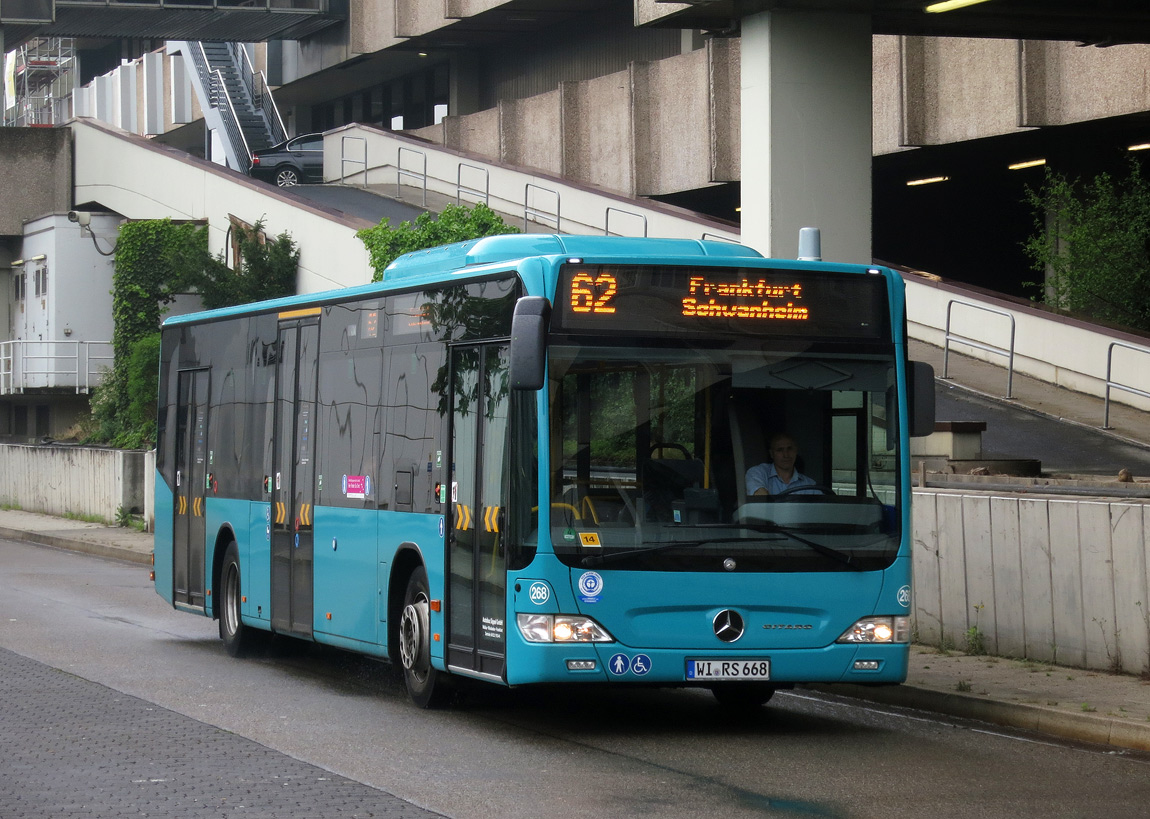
(239, 96)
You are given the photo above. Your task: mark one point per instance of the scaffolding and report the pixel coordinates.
(39, 82)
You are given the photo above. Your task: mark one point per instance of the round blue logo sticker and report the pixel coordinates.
(904, 597)
(590, 586)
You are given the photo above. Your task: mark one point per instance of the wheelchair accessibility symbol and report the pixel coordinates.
(620, 664)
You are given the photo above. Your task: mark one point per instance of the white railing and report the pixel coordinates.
(78, 365)
(397, 160)
(980, 345)
(1111, 384)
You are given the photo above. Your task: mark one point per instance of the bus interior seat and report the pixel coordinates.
(671, 481)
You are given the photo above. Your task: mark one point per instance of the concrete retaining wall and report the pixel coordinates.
(1054, 579)
(72, 480)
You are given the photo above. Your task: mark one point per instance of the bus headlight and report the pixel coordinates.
(878, 630)
(561, 628)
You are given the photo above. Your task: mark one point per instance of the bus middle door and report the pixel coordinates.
(293, 489)
(477, 554)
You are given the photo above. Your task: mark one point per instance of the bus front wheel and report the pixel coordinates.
(427, 687)
(238, 638)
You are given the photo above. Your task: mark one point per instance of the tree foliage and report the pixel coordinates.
(156, 260)
(1093, 242)
(385, 244)
(268, 270)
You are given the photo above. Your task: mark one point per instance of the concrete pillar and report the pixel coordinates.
(153, 80)
(806, 132)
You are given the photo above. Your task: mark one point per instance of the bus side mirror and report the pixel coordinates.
(529, 342)
(920, 396)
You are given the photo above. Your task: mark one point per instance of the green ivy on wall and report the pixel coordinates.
(155, 261)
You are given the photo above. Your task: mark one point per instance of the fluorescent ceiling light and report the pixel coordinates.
(951, 5)
(1030, 163)
(1142, 147)
(927, 181)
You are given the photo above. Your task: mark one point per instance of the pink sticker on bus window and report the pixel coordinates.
(356, 486)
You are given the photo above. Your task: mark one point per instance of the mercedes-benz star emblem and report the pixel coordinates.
(728, 625)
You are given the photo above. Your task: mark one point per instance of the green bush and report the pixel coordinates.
(1092, 241)
(268, 270)
(385, 244)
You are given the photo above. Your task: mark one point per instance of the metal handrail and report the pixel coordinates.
(1111, 383)
(230, 119)
(400, 172)
(535, 212)
(343, 159)
(18, 366)
(990, 348)
(461, 189)
(257, 83)
(607, 220)
(715, 237)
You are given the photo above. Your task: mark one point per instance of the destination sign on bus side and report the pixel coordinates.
(643, 299)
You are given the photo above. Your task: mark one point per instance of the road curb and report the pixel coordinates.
(74, 545)
(1084, 727)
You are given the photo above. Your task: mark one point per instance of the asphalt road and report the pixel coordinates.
(359, 202)
(542, 753)
(1014, 432)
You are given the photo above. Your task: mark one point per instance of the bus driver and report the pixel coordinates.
(779, 474)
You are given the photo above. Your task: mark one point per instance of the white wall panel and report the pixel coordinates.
(979, 568)
(927, 595)
(1097, 572)
(952, 569)
(1009, 621)
(1128, 553)
(1037, 590)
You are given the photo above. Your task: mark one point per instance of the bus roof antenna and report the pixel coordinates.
(810, 245)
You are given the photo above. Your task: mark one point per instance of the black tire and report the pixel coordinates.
(742, 696)
(238, 639)
(287, 176)
(427, 687)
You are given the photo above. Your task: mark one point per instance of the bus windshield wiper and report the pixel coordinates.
(764, 526)
(822, 549)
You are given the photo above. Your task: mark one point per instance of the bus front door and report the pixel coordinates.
(188, 580)
(293, 477)
(477, 556)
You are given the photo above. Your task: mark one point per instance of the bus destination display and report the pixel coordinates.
(697, 300)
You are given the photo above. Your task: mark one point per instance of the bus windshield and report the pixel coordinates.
(651, 449)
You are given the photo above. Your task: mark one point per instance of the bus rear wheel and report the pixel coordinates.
(238, 638)
(427, 687)
(742, 696)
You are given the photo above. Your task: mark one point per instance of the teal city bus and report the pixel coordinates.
(523, 459)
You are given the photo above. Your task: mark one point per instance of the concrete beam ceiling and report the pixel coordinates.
(157, 21)
(1103, 22)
